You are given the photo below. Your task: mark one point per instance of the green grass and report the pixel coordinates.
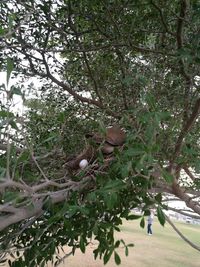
(163, 249)
(164, 246)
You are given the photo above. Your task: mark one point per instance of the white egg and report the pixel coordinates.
(83, 163)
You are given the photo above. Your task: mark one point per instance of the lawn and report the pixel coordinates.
(163, 249)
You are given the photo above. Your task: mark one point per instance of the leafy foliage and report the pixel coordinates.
(96, 64)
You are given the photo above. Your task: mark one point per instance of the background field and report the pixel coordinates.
(163, 249)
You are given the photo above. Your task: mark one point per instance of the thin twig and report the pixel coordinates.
(36, 162)
(8, 161)
(162, 18)
(63, 258)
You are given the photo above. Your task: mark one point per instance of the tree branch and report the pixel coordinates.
(191, 121)
(179, 38)
(92, 77)
(162, 18)
(73, 93)
(188, 172)
(20, 214)
(178, 191)
(180, 21)
(181, 235)
(17, 185)
(183, 212)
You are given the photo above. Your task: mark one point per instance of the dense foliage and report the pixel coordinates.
(93, 64)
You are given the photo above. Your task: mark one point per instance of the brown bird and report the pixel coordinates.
(114, 136)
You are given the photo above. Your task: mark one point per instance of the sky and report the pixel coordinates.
(17, 103)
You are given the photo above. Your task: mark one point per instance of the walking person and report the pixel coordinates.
(150, 222)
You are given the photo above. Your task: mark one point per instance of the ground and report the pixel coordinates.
(163, 249)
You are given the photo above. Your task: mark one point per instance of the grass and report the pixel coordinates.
(163, 249)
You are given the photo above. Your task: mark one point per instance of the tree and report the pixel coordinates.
(134, 63)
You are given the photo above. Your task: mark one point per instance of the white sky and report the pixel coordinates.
(17, 103)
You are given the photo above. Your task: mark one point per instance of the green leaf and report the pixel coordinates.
(134, 152)
(96, 252)
(73, 210)
(117, 243)
(107, 255)
(115, 185)
(10, 20)
(47, 203)
(2, 31)
(126, 168)
(169, 178)
(13, 125)
(10, 66)
(6, 114)
(151, 101)
(2, 172)
(24, 156)
(126, 251)
(147, 212)
(117, 258)
(197, 165)
(127, 81)
(161, 216)
(16, 90)
(52, 137)
(165, 115)
(82, 244)
(131, 245)
(133, 217)
(158, 198)
(84, 210)
(61, 117)
(142, 222)
(125, 213)
(117, 228)
(10, 196)
(111, 200)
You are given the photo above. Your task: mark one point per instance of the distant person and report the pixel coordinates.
(150, 222)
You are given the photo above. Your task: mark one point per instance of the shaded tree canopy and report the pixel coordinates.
(98, 64)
